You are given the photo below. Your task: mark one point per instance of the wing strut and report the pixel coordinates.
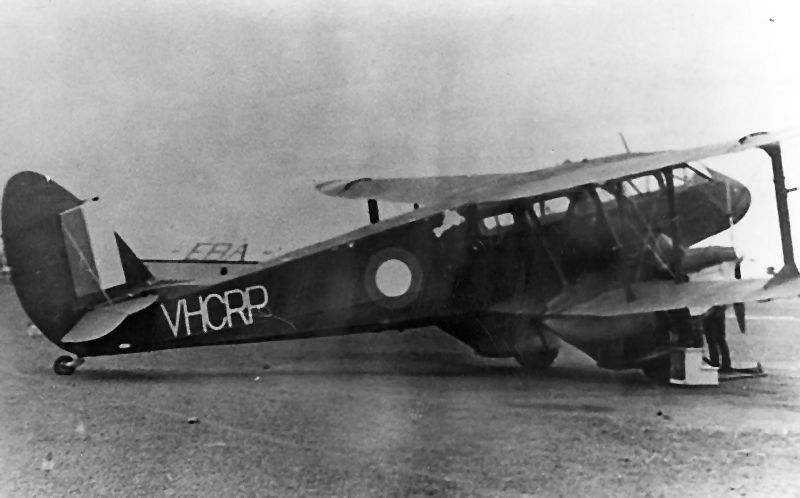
(628, 254)
(537, 224)
(601, 213)
(675, 256)
(372, 210)
(789, 269)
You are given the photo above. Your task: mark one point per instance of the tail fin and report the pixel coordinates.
(49, 251)
(133, 268)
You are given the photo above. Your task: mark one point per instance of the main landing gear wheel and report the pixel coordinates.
(66, 365)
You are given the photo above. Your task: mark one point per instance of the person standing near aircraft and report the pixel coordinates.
(714, 330)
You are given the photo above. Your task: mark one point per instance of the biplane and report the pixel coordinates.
(509, 264)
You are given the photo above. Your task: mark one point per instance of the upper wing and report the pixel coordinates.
(423, 190)
(451, 190)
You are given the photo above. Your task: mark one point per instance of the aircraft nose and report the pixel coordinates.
(734, 196)
(740, 199)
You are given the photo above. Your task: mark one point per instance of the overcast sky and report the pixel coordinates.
(195, 120)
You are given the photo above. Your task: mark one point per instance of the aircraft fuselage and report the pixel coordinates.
(429, 271)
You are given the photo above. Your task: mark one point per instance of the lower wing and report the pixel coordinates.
(661, 295)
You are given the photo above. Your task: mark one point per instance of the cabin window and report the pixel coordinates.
(628, 189)
(505, 219)
(551, 207)
(641, 185)
(497, 222)
(605, 196)
(682, 176)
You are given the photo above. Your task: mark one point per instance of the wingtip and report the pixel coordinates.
(341, 188)
(761, 138)
(331, 187)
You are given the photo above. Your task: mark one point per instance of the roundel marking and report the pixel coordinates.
(393, 278)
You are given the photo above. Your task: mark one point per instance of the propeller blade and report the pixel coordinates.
(738, 310)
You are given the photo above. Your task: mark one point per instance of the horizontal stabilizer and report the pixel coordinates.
(104, 319)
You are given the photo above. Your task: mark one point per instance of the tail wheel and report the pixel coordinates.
(64, 365)
(536, 360)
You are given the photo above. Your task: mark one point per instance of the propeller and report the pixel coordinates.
(738, 308)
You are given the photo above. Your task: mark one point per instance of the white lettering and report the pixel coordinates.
(251, 306)
(207, 317)
(239, 310)
(174, 326)
(188, 314)
(233, 302)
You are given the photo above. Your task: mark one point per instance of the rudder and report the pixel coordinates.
(48, 249)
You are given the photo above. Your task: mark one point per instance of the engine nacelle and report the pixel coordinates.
(619, 342)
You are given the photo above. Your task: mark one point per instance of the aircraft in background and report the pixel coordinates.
(509, 264)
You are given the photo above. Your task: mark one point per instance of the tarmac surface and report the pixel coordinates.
(393, 414)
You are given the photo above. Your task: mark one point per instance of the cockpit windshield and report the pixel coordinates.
(691, 174)
(700, 169)
(686, 175)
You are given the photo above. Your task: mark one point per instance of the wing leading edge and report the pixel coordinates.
(661, 295)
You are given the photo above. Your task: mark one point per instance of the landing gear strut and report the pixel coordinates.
(66, 365)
